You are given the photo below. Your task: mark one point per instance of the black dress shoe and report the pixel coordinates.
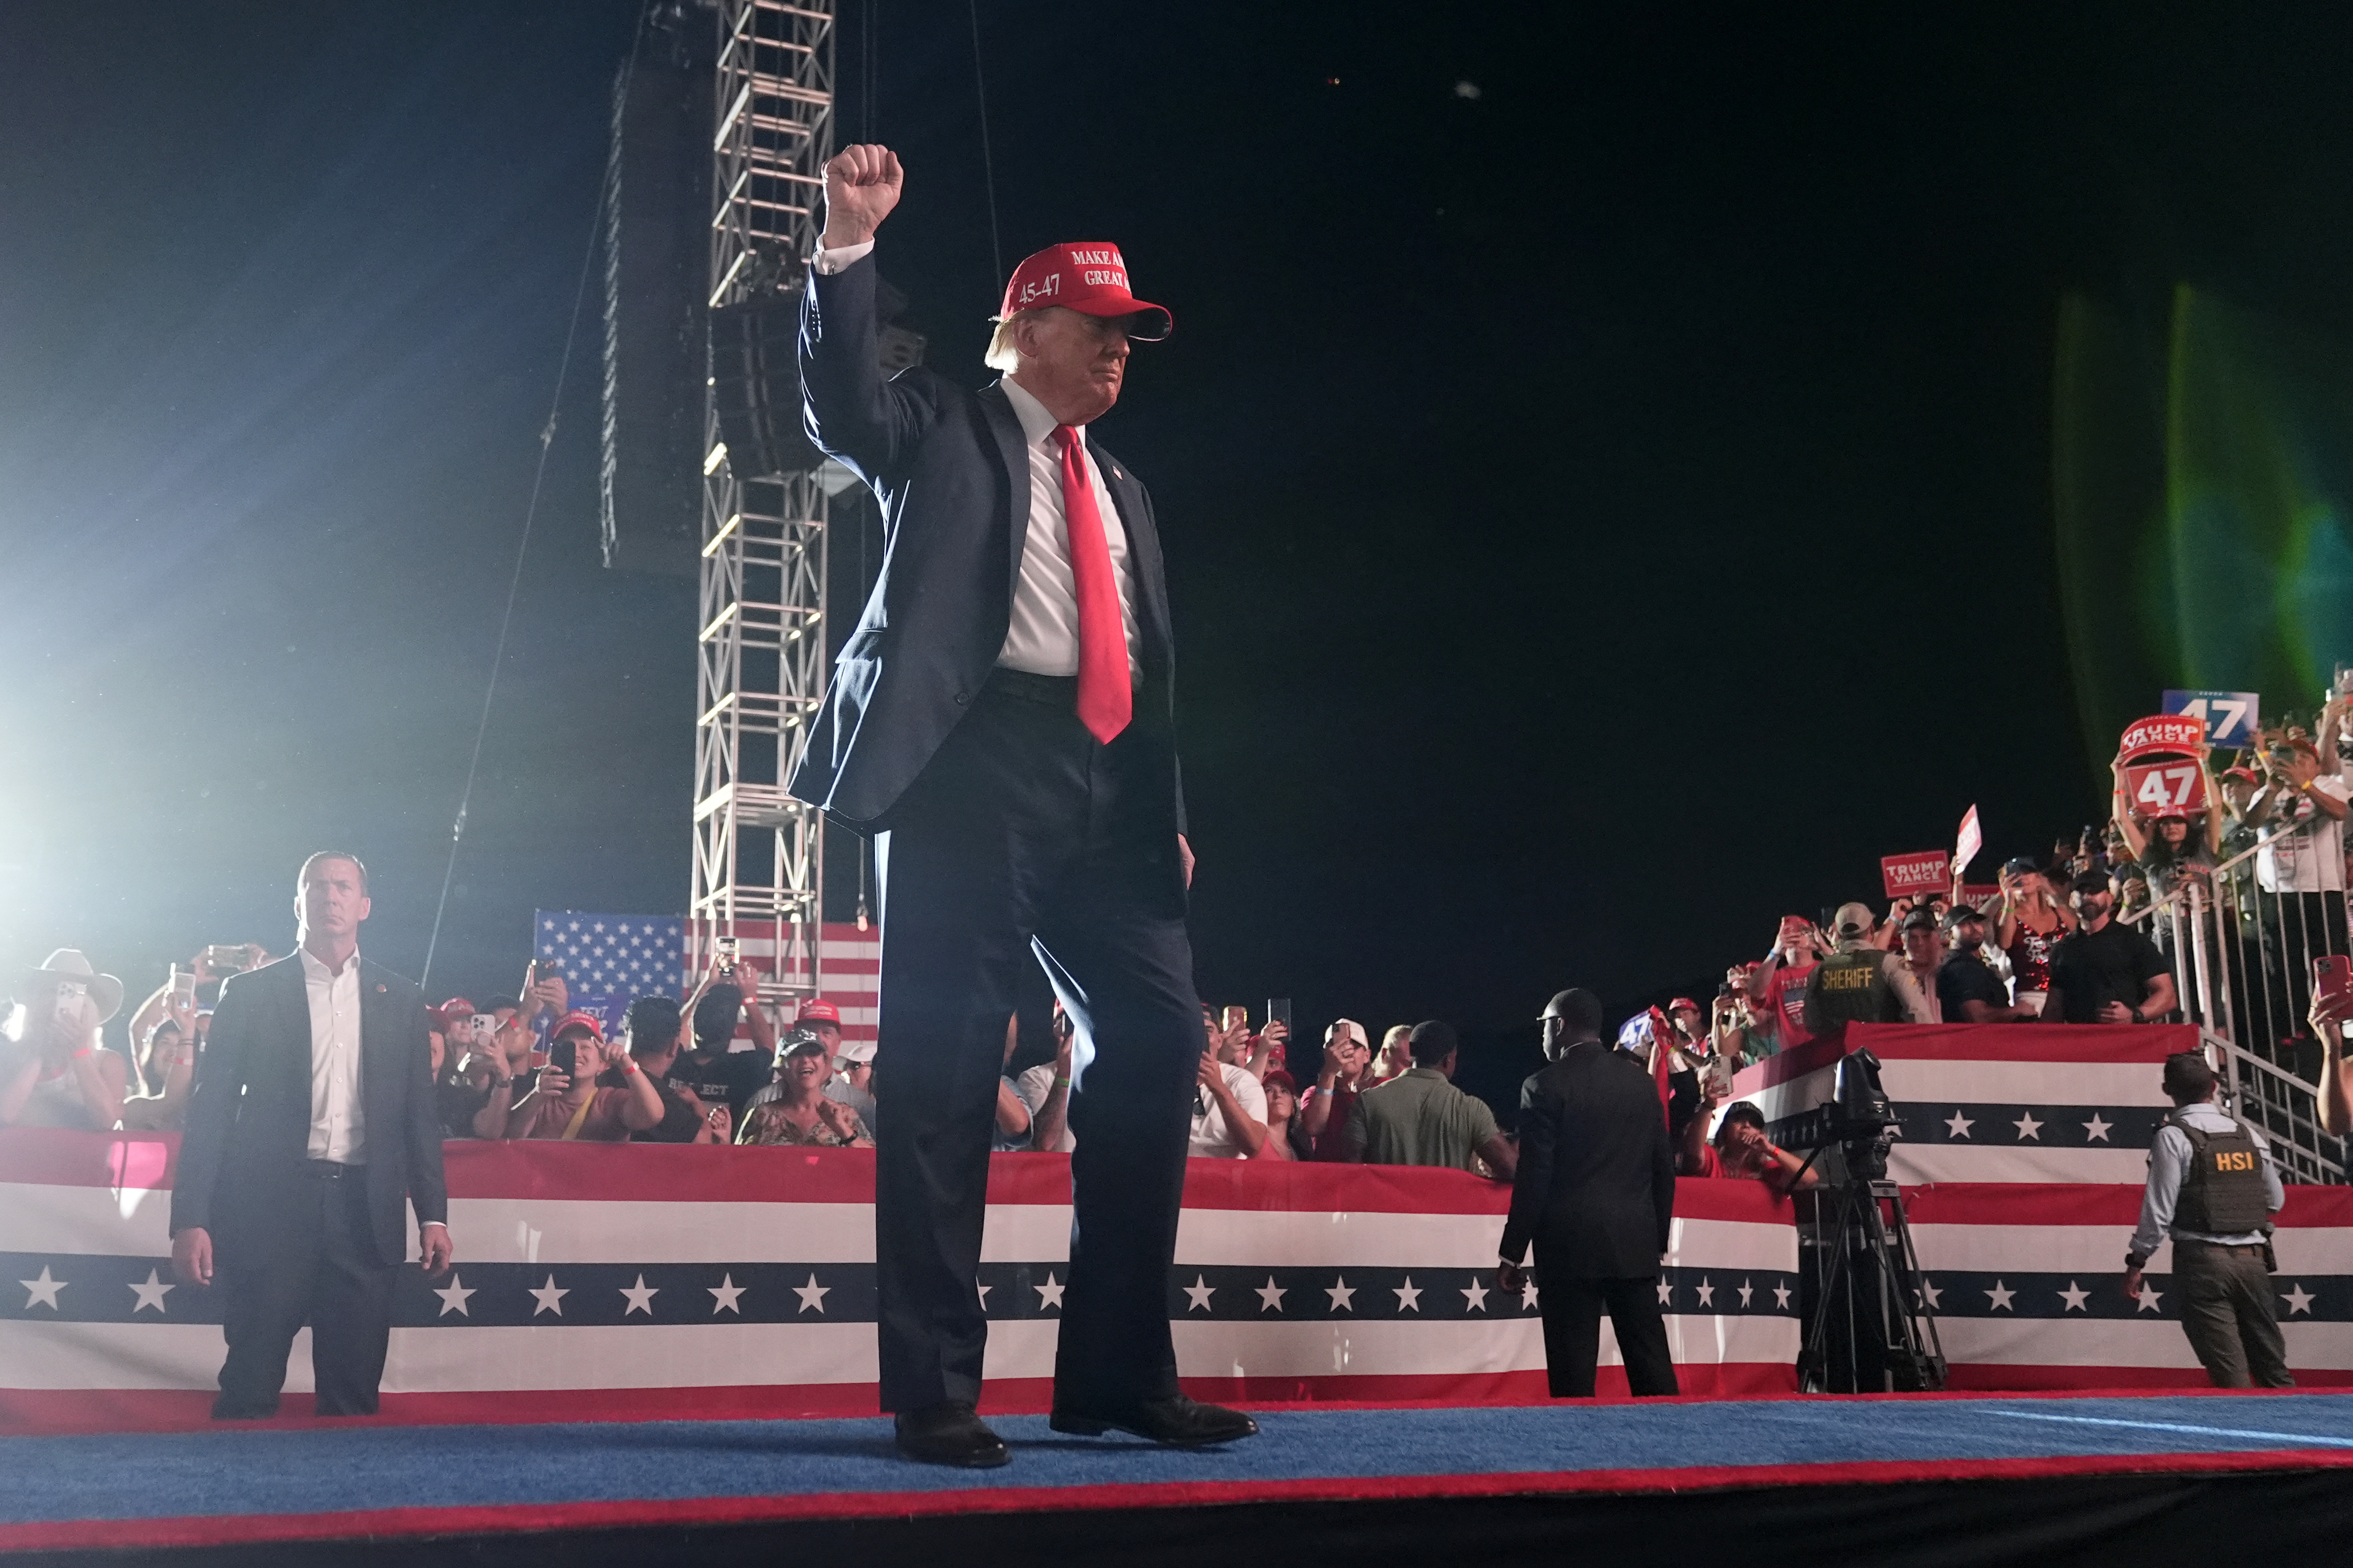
(949, 1433)
(1176, 1421)
(227, 1409)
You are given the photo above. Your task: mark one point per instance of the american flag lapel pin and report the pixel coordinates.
(379, 989)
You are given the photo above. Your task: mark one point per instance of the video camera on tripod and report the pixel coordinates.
(1870, 1328)
(1857, 1118)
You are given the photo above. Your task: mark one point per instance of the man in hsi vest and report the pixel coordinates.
(2213, 1189)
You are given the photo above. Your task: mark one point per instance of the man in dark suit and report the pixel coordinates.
(311, 1129)
(1002, 722)
(1595, 1194)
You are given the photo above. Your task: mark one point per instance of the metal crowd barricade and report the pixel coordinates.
(2242, 959)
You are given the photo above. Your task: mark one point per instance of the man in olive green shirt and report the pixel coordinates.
(1420, 1118)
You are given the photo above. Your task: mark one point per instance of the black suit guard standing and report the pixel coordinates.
(1016, 767)
(1595, 1194)
(310, 1131)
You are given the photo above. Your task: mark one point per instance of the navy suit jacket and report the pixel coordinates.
(1595, 1186)
(951, 469)
(248, 1130)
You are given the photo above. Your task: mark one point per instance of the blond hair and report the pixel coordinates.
(1001, 354)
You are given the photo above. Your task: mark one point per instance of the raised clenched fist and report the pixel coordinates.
(862, 185)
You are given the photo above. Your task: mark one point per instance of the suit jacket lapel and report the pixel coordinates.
(379, 1061)
(1013, 450)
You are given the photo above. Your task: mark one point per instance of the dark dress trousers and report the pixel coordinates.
(1005, 834)
(1596, 1192)
(294, 1243)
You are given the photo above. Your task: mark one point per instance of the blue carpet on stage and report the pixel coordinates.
(315, 1470)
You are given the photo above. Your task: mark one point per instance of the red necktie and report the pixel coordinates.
(1105, 701)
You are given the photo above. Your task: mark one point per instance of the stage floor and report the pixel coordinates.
(321, 1480)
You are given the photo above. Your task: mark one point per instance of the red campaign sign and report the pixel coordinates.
(2164, 732)
(2165, 789)
(1909, 876)
(1979, 895)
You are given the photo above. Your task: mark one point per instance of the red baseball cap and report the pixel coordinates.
(456, 1008)
(1086, 276)
(578, 1020)
(1681, 1001)
(821, 1011)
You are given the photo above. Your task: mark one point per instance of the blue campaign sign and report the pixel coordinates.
(2231, 717)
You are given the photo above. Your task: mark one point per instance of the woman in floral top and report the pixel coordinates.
(795, 1110)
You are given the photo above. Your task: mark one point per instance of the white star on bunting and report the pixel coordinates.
(1746, 1290)
(2149, 1297)
(1528, 1292)
(2028, 1128)
(1999, 1295)
(2074, 1296)
(1958, 1125)
(1474, 1295)
(1343, 1294)
(1781, 1296)
(42, 1292)
(724, 1296)
(454, 1297)
(1933, 1291)
(1271, 1295)
(812, 1294)
(1197, 1294)
(641, 1297)
(1050, 1294)
(2096, 1129)
(1706, 1292)
(2298, 1299)
(1666, 1292)
(151, 1294)
(976, 1285)
(1409, 1295)
(549, 1298)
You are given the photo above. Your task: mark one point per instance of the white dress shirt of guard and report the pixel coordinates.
(2168, 1158)
(338, 1126)
(1042, 637)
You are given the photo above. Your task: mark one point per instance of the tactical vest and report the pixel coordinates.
(2222, 1189)
(1848, 988)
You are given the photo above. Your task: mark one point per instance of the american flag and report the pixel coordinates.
(610, 960)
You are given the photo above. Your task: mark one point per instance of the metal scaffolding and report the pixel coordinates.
(761, 663)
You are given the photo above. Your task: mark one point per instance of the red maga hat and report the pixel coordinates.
(578, 1020)
(1087, 275)
(820, 1010)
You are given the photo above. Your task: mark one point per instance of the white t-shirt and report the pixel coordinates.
(1212, 1139)
(2300, 859)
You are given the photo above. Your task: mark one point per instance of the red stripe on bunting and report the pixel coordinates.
(2023, 1042)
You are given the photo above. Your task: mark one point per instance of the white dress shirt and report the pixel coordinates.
(338, 1126)
(1043, 637)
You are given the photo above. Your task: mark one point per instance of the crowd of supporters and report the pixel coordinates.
(2054, 943)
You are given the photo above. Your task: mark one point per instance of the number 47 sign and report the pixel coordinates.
(2165, 789)
(2230, 716)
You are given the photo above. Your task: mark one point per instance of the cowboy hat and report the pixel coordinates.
(68, 963)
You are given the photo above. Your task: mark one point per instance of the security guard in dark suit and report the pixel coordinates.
(1595, 1195)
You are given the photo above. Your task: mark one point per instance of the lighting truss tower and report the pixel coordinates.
(761, 665)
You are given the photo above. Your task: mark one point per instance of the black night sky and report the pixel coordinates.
(1604, 458)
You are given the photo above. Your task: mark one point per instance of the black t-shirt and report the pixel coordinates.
(731, 1078)
(2091, 968)
(1965, 977)
(680, 1122)
(454, 1103)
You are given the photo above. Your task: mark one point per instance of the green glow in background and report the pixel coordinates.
(2203, 488)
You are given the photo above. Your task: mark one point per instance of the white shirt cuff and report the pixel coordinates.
(423, 1223)
(828, 262)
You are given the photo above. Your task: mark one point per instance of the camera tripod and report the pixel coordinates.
(1867, 1300)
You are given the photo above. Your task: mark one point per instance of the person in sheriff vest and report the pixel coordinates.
(2213, 1189)
(1861, 982)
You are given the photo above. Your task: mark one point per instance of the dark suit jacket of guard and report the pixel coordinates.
(248, 1129)
(953, 473)
(1596, 1188)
